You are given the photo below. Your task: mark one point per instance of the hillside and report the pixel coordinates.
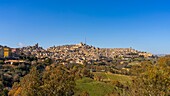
(81, 53)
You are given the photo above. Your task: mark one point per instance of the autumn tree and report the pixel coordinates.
(29, 85)
(57, 81)
(154, 80)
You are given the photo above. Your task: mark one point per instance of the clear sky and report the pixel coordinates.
(140, 24)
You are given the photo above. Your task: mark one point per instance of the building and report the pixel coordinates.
(1, 51)
(15, 50)
(7, 51)
(145, 54)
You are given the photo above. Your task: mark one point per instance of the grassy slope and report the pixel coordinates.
(97, 88)
(94, 88)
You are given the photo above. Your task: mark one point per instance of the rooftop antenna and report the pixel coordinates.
(85, 40)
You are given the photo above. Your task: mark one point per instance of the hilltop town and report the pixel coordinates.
(77, 53)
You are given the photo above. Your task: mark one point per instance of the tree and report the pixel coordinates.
(58, 81)
(154, 80)
(29, 85)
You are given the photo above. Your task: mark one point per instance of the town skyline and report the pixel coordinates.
(20, 45)
(75, 53)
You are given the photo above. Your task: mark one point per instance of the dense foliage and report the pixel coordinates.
(155, 80)
(58, 81)
(51, 79)
(148, 79)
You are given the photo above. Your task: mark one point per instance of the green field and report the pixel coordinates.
(99, 88)
(94, 88)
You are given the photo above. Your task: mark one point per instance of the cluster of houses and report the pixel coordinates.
(125, 53)
(78, 53)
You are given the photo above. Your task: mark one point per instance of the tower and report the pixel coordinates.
(36, 45)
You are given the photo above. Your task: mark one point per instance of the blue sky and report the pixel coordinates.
(140, 24)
